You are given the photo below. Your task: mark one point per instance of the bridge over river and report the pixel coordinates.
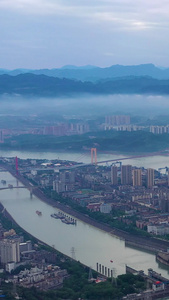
(26, 186)
(12, 187)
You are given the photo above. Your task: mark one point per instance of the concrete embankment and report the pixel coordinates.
(148, 243)
(163, 257)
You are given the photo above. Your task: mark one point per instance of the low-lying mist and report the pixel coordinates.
(86, 105)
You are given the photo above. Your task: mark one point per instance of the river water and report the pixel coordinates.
(83, 242)
(157, 161)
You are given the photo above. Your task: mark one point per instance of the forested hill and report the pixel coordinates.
(121, 141)
(42, 85)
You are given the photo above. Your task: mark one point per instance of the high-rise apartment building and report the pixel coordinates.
(126, 174)
(59, 130)
(9, 250)
(137, 177)
(150, 177)
(64, 181)
(114, 179)
(159, 129)
(67, 177)
(117, 120)
(1, 136)
(79, 128)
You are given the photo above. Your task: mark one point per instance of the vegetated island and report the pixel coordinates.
(140, 141)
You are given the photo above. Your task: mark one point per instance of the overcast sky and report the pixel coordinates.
(52, 33)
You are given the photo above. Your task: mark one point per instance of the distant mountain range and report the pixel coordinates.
(42, 85)
(95, 74)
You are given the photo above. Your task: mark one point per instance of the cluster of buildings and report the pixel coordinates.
(11, 248)
(59, 129)
(66, 129)
(159, 129)
(76, 127)
(131, 176)
(125, 128)
(37, 266)
(133, 191)
(42, 272)
(116, 120)
(123, 123)
(43, 277)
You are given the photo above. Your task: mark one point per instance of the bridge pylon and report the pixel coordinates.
(16, 164)
(94, 151)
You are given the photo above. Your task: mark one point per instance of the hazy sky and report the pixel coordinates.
(53, 33)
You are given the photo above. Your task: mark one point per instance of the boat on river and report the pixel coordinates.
(10, 186)
(63, 218)
(67, 221)
(3, 181)
(39, 213)
(57, 216)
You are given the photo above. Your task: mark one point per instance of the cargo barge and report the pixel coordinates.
(65, 219)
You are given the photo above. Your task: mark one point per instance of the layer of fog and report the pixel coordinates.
(86, 106)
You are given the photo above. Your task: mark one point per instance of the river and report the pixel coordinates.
(156, 161)
(83, 242)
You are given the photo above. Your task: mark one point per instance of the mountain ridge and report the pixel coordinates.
(94, 74)
(42, 85)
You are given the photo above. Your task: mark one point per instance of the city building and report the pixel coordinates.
(159, 129)
(161, 229)
(129, 128)
(137, 177)
(26, 246)
(64, 182)
(1, 136)
(105, 208)
(9, 250)
(58, 186)
(126, 174)
(164, 205)
(117, 120)
(59, 130)
(78, 128)
(114, 179)
(67, 177)
(150, 177)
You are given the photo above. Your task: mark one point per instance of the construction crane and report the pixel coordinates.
(165, 168)
(117, 162)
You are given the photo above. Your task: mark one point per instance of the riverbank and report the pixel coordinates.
(152, 244)
(33, 238)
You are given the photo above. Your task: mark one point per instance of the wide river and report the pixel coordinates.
(83, 242)
(157, 161)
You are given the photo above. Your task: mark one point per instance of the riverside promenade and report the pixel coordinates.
(148, 243)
